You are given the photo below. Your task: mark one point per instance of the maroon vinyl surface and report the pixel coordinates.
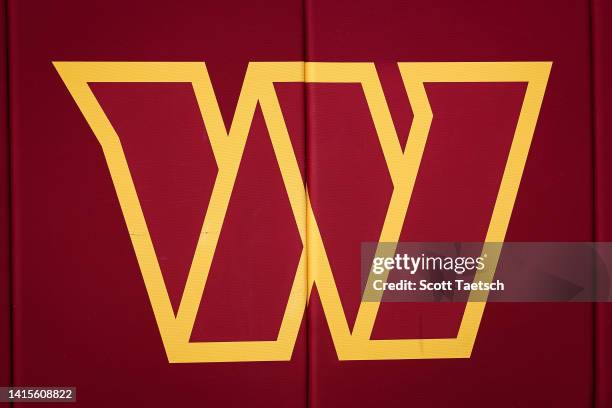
(602, 97)
(80, 313)
(5, 311)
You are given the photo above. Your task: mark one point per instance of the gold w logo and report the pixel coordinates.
(228, 148)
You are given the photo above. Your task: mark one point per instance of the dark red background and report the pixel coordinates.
(81, 315)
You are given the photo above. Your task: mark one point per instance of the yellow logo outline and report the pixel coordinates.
(228, 148)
